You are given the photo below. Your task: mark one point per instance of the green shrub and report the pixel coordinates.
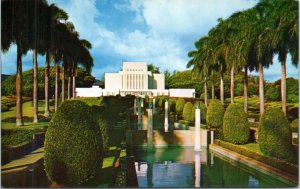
(202, 96)
(292, 98)
(179, 105)
(18, 137)
(172, 105)
(4, 108)
(273, 94)
(90, 100)
(295, 124)
(188, 112)
(214, 115)
(99, 115)
(161, 101)
(73, 146)
(235, 125)
(274, 134)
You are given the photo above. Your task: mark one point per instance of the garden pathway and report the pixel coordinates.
(24, 162)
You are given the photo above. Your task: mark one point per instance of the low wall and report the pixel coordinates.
(13, 153)
(94, 91)
(161, 138)
(186, 93)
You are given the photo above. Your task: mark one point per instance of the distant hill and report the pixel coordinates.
(4, 77)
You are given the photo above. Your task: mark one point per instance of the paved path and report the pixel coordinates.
(24, 162)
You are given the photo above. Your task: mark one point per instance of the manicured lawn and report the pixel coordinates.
(27, 125)
(27, 110)
(253, 106)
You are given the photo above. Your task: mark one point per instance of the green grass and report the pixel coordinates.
(27, 126)
(91, 100)
(27, 110)
(108, 162)
(253, 105)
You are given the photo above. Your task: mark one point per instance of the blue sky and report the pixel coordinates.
(154, 31)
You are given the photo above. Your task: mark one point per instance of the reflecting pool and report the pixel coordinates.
(183, 167)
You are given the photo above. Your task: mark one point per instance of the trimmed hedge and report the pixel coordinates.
(215, 112)
(73, 146)
(274, 162)
(172, 105)
(161, 102)
(188, 112)
(179, 105)
(295, 125)
(274, 134)
(99, 115)
(235, 125)
(202, 96)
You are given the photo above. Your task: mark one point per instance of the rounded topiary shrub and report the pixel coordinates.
(274, 134)
(188, 112)
(73, 146)
(179, 105)
(172, 105)
(161, 102)
(235, 125)
(214, 115)
(202, 96)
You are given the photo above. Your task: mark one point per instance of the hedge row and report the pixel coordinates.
(274, 162)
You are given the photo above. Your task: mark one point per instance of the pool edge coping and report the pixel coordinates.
(254, 164)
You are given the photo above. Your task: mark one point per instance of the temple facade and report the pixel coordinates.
(134, 79)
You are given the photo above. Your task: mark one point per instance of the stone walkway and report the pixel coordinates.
(24, 162)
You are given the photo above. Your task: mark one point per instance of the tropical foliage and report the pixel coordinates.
(248, 40)
(43, 29)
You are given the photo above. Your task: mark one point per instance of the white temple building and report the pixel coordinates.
(134, 79)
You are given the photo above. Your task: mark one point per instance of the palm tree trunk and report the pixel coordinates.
(222, 88)
(205, 91)
(35, 91)
(47, 70)
(56, 85)
(246, 89)
(283, 86)
(19, 113)
(212, 87)
(232, 84)
(69, 87)
(62, 83)
(261, 89)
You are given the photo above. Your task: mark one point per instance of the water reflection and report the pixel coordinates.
(197, 169)
(167, 168)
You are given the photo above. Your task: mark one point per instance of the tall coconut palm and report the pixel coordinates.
(284, 20)
(14, 29)
(38, 15)
(54, 16)
(202, 62)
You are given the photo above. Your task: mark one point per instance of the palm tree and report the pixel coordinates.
(284, 19)
(38, 14)
(202, 63)
(14, 29)
(55, 14)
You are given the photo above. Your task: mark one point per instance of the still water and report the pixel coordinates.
(172, 167)
(182, 167)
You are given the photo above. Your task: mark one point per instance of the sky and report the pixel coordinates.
(160, 32)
